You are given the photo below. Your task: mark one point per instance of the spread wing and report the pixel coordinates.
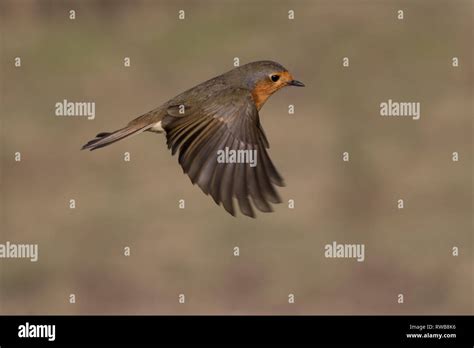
(231, 122)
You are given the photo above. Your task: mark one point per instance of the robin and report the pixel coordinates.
(216, 128)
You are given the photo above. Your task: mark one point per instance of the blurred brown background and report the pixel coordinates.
(189, 251)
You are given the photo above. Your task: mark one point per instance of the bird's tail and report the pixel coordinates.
(105, 138)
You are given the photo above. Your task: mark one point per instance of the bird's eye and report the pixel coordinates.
(275, 78)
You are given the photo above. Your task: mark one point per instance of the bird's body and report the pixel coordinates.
(218, 114)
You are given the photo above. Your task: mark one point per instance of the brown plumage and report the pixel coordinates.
(214, 115)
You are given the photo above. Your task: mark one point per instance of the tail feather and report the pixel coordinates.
(103, 134)
(106, 138)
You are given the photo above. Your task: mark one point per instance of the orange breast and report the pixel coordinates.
(266, 88)
(261, 92)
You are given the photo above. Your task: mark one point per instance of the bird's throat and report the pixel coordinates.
(261, 92)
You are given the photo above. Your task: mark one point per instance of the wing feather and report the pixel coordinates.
(232, 122)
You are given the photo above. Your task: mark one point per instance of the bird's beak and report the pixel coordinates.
(296, 83)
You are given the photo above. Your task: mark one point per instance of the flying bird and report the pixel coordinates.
(217, 117)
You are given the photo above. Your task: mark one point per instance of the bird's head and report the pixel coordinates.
(264, 78)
